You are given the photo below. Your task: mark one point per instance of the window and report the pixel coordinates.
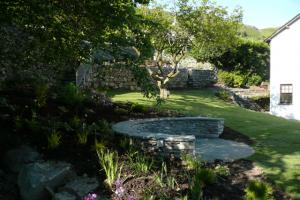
(286, 94)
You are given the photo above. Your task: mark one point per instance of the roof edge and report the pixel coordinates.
(282, 28)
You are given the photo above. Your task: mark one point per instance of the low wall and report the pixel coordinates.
(170, 136)
(110, 77)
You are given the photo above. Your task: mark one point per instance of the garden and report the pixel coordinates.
(58, 138)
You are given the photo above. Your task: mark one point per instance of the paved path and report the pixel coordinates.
(226, 150)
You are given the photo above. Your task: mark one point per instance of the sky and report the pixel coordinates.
(261, 13)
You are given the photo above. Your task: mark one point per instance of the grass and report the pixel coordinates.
(277, 140)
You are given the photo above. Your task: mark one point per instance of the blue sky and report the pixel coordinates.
(261, 13)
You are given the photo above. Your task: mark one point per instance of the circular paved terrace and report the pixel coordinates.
(194, 135)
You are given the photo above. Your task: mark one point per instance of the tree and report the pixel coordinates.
(59, 35)
(204, 31)
(212, 27)
(168, 37)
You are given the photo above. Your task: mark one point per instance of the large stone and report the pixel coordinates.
(64, 196)
(34, 178)
(16, 159)
(81, 186)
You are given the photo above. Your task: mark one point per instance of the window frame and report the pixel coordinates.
(286, 90)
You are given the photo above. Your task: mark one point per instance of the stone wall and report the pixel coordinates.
(110, 77)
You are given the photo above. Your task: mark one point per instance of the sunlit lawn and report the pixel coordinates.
(277, 140)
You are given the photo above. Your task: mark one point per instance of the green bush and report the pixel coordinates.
(70, 95)
(232, 79)
(224, 95)
(257, 190)
(139, 108)
(254, 80)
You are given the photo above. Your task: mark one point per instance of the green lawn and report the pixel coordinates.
(277, 140)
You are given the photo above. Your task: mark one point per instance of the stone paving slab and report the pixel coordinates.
(210, 149)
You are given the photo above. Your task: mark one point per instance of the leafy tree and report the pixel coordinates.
(212, 28)
(59, 35)
(249, 58)
(168, 37)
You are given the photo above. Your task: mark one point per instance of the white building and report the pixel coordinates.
(285, 70)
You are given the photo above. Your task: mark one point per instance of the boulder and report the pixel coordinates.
(81, 186)
(35, 177)
(16, 159)
(64, 196)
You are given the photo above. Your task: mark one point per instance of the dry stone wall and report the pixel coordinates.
(110, 77)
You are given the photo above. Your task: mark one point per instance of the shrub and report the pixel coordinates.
(224, 95)
(201, 178)
(138, 108)
(226, 78)
(232, 79)
(257, 190)
(109, 162)
(254, 80)
(70, 95)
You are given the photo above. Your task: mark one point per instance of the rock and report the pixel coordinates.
(81, 186)
(64, 196)
(16, 159)
(35, 177)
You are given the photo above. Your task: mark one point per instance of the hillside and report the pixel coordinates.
(251, 32)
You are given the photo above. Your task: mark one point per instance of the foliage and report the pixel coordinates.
(71, 95)
(201, 178)
(82, 136)
(257, 190)
(222, 170)
(253, 33)
(109, 162)
(138, 108)
(139, 162)
(232, 79)
(41, 92)
(248, 58)
(191, 162)
(224, 95)
(212, 27)
(54, 139)
(104, 127)
(55, 35)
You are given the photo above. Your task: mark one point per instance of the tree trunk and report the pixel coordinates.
(164, 93)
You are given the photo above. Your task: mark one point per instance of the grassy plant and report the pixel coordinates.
(139, 162)
(82, 136)
(75, 122)
(201, 178)
(70, 95)
(41, 93)
(109, 162)
(257, 190)
(191, 162)
(222, 170)
(54, 139)
(104, 127)
(171, 182)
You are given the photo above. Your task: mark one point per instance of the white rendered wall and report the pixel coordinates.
(285, 69)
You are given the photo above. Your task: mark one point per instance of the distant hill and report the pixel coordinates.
(251, 32)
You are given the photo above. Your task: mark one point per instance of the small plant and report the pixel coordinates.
(90, 196)
(41, 93)
(171, 182)
(109, 161)
(201, 178)
(75, 122)
(104, 127)
(140, 163)
(138, 108)
(125, 143)
(224, 95)
(191, 162)
(222, 170)
(70, 95)
(54, 139)
(257, 190)
(82, 136)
